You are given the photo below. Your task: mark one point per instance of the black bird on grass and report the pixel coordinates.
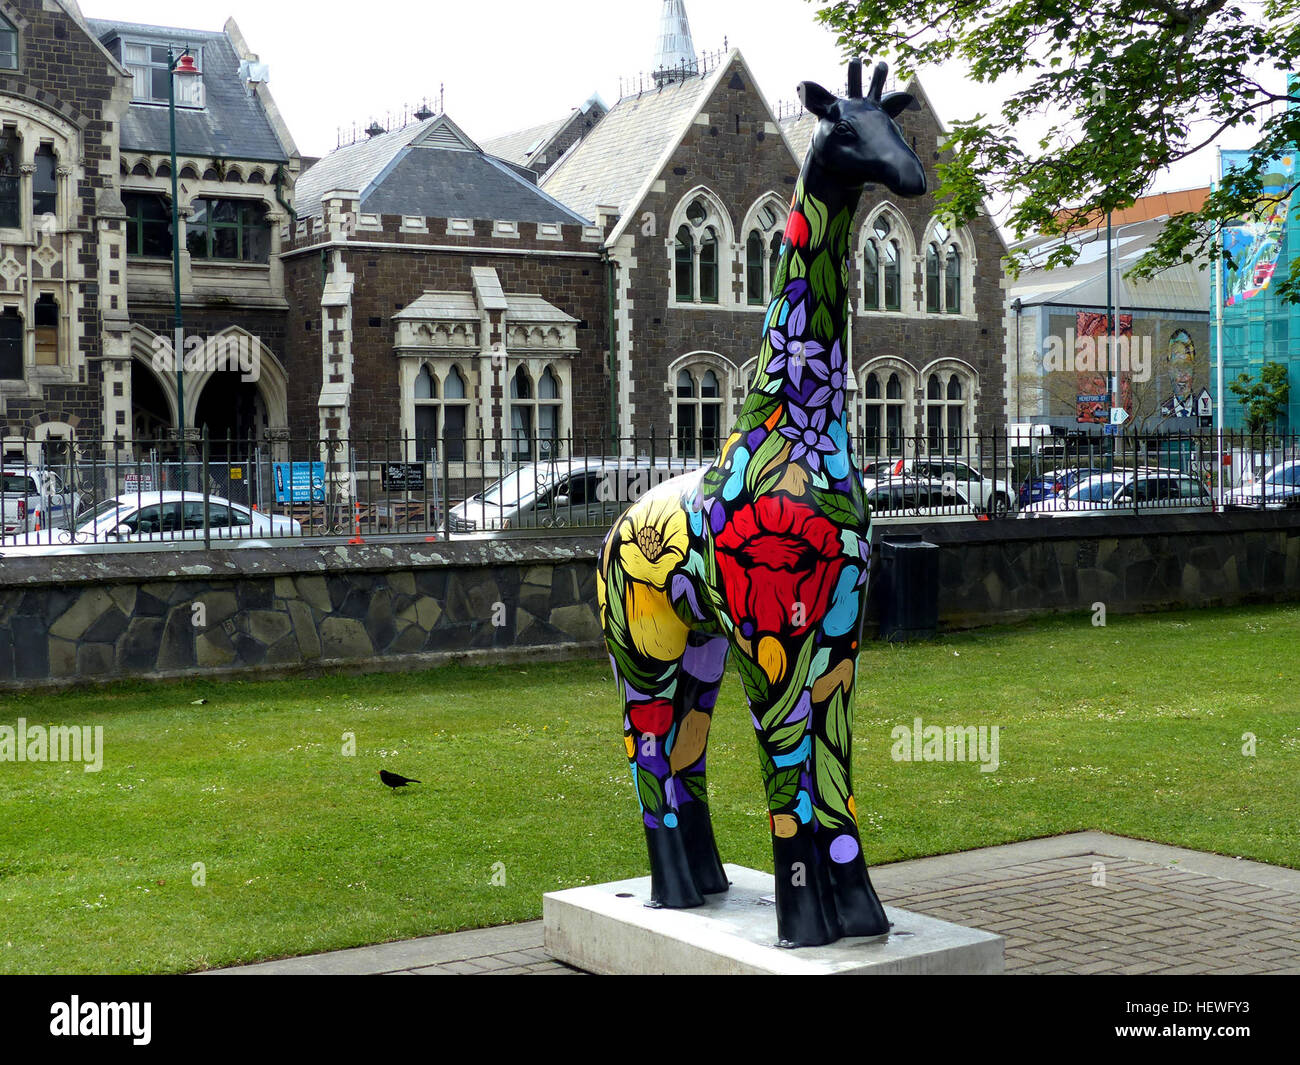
(396, 780)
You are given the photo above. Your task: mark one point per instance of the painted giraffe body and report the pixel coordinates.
(766, 553)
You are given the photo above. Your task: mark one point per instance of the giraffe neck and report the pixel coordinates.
(803, 362)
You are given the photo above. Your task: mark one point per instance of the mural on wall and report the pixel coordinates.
(1182, 376)
(1093, 401)
(1256, 242)
(765, 554)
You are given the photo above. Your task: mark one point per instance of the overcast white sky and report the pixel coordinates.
(510, 64)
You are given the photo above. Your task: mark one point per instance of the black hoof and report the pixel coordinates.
(671, 883)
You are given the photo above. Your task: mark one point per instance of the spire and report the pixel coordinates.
(676, 58)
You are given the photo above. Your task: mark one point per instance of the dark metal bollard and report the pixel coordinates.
(909, 580)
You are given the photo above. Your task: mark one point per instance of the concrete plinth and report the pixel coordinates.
(608, 929)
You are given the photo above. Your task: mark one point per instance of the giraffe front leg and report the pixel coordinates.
(669, 676)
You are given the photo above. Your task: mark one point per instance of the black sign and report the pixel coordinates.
(402, 476)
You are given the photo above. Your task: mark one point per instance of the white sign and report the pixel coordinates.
(138, 482)
(1204, 404)
(1118, 415)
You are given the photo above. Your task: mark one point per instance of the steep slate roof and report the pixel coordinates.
(521, 146)
(610, 166)
(232, 124)
(429, 169)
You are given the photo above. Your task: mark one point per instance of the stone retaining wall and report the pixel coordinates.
(74, 618)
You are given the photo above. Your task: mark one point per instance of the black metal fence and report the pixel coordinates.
(255, 490)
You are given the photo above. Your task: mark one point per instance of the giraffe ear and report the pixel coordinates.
(897, 102)
(815, 98)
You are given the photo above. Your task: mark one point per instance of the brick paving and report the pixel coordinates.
(1083, 903)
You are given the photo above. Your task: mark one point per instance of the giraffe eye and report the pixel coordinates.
(844, 129)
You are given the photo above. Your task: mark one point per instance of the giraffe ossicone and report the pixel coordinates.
(766, 553)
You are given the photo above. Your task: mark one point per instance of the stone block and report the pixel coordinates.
(609, 929)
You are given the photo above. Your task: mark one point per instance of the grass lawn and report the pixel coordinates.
(1135, 728)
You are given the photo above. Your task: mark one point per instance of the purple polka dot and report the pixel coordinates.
(844, 849)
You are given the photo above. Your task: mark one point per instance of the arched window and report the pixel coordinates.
(45, 188)
(946, 396)
(46, 317)
(8, 45)
(884, 415)
(11, 345)
(882, 265)
(756, 291)
(702, 243)
(534, 415)
(893, 274)
(932, 297)
(774, 258)
(709, 266)
(11, 211)
(952, 282)
(440, 420)
(548, 412)
(685, 273)
(870, 277)
(698, 408)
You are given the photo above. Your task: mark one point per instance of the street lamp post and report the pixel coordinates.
(182, 65)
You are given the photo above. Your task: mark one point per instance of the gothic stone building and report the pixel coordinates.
(692, 181)
(438, 292)
(85, 230)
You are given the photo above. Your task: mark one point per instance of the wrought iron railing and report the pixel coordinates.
(235, 492)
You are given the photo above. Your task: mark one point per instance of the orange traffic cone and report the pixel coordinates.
(357, 538)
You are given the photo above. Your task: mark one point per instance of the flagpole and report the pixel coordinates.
(1218, 339)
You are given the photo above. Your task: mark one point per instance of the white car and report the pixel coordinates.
(901, 499)
(1150, 491)
(32, 498)
(983, 494)
(162, 517)
(1278, 489)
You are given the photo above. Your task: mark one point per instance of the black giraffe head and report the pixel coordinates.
(857, 142)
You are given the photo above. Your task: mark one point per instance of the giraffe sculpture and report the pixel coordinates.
(766, 553)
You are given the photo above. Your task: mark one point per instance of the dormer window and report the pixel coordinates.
(148, 64)
(8, 45)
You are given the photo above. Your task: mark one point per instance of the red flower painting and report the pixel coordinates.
(796, 230)
(654, 718)
(779, 562)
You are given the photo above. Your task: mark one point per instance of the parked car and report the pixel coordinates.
(34, 499)
(143, 517)
(1278, 489)
(1161, 491)
(1050, 483)
(577, 492)
(919, 497)
(982, 493)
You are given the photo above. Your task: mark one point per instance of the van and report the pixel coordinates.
(574, 493)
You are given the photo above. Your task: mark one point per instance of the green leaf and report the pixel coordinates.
(831, 778)
(696, 785)
(649, 791)
(794, 685)
(787, 737)
(838, 507)
(837, 723)
(823, 277)
(797, 268)
(839, 237)
(815, 211)
(782, 787)
(823, 324)
(752, 417)
(755, 680)
(767, 451)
